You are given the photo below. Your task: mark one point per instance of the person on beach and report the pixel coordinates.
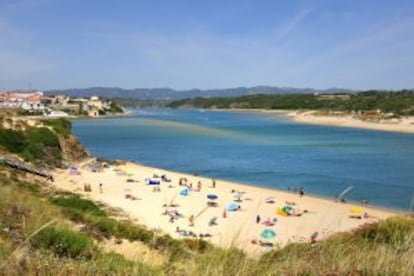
(214, 182)
(191, 220)
(313, 237)
(258, 218)
(199, 186)
(87, 187)
(225, 213)
(301, 192)
(100, 187)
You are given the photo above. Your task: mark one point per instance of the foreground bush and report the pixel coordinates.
(64, 243)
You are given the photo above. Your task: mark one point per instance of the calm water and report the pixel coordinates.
(261, 149)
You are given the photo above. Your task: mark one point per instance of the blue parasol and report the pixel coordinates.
(212, 196)
(232, 207)
(268, 234)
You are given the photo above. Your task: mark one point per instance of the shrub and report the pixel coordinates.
(64, 243)
(166, 242)
(42, 136)
(13, 141)
(197, 245)
(73, 204)
(41, 142)
(393, 232)
(4, 251)
(61, 126)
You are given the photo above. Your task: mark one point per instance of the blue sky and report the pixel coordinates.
(361, 44)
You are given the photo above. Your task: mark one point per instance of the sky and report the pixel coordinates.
(58, 44)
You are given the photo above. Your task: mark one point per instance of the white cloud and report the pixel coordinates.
(379, 41)
(293, 22)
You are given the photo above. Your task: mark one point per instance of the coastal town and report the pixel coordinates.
(39, 103)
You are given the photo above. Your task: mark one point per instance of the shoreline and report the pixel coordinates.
(239, 228)
(404, 125)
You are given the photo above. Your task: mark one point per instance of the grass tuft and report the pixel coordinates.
(64, 243)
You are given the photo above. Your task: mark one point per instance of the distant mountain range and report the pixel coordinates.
(171, 94)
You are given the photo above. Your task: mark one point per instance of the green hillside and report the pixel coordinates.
(400, 102)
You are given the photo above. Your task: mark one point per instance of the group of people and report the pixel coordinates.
(87, 187)
(267, 222)
(156, 189)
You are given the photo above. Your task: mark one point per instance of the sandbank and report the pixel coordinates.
(403, 124)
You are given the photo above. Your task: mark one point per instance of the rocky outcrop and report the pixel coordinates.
(72, 149)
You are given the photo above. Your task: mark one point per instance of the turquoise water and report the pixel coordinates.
(261, 149)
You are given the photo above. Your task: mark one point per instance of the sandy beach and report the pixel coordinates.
(237, 228)
(405, 124)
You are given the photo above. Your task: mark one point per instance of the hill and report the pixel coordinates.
(398, 102)
(171, 94)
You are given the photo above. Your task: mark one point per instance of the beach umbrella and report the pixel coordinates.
(212, 196)
(279, 211)
(152, 182)
(268, 234)
(356, 210)
(287, 209)
(232, 207)
(184, 192)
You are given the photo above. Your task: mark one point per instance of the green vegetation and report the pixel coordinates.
(75, 205)
(61, 126)
(400, 102)
(49, 142)
(42, 143)
(115, 108)
(57, 248)
(13, 141)
(33, 144)
(64, 243)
